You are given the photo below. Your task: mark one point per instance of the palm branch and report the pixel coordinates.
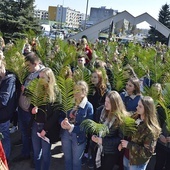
(90, 126)
(81, 74)
(37, 93)
(119, 78)
(16, 64)
(167, 113)
(166, 94)
(66, 91)
(15, 61)
(128, 126)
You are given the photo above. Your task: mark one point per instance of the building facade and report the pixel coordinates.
(41, 14)
(99, 14)
(65, 16)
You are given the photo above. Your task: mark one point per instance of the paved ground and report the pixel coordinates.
(57, 161)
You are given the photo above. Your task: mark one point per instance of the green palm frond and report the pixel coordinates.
(37, 93)
(167, 113)
(152, 93)
(66, 90)
(119, 78)
(90, 126)
(16, 64)
(15, 61)
(166, 94)
(128, 126)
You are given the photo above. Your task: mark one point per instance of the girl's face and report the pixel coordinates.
(79, 93)
(107, 104)
(130, 88)
(94, 79)
(140, 109)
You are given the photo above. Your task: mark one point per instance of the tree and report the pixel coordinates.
(164, 18)
(17, 18)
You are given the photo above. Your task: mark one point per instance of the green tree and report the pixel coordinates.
(17, 18)
(164, 18)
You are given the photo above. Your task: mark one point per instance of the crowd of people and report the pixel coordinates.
(100, 94)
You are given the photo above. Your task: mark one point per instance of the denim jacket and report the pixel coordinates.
(85, 112)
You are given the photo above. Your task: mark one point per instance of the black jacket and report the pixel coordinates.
(111, 141)
(50, 117)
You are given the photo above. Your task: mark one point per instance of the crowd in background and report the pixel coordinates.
(110, 82)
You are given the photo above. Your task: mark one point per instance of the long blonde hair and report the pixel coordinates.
(51, 83)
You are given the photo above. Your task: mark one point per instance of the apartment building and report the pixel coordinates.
(65, 16)
(41, 14)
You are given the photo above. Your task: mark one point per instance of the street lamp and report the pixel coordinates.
(86, 14)
(62, 14)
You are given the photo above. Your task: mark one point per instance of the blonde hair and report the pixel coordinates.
(51, 81)
(157, 90)
(84, 86)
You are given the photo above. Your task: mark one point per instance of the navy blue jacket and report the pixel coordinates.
(7, 97)
(130, 102)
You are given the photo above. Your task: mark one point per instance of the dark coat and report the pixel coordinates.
(111, 141)
(50, 117)
(7, 97)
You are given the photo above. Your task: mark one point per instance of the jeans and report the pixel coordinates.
(72, 151)
(42, 149)
(127, 166)
(6, 142)
(24, 119)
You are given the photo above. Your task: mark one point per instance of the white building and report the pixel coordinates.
(41, 14)
(68, 17)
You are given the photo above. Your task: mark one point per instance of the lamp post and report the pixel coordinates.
(86, 14)
(62, 14)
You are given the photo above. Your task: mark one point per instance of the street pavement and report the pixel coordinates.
(57, 160)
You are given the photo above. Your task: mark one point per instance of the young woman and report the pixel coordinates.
(45, 123)
(97, 97)
(111, 116)
(100, 89)
(143, 142)
(132, 94)
(72, 137)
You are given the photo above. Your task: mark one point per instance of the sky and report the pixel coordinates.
(134, 7)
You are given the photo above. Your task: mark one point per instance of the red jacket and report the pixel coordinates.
(88, 53)
(2, 156)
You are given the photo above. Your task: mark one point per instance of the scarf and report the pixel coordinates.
(104, 120)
